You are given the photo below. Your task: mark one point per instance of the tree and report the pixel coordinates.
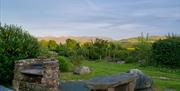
(143, 48)
(100, 46)
(44, 43)
(71, 44)
(71, 47)
(52, 45)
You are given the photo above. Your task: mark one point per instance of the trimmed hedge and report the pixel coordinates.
(167, 52)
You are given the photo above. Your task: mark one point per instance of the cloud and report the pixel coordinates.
(96, 29)
(112, 18)
(93, 5)
(161, 13)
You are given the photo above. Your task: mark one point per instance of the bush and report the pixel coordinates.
(76, 60)
(167, 52)
(130, 59)
(143, 49)
(122, 54)
(44, 52)
(143, 52)
(15, 44)
(64, 64)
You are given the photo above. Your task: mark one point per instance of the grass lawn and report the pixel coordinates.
(101, 68)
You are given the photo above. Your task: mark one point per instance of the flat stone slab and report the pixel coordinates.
(32, 71)
(2, 88)
(74, 86)
(110, 81)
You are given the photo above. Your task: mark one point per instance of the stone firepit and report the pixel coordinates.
(36, 75)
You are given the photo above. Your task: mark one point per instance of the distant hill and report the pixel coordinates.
(130, 42)
(136, 39)
(81, 39)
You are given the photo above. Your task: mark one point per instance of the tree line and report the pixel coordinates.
(97, 49)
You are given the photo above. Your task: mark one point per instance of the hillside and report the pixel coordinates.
(83, 39)
(62, 39)
(130, 42)
(136, 39)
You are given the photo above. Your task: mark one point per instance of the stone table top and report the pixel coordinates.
(32, 71)
(110, 81)
(2, 88)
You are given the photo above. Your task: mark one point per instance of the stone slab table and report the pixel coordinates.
(120, 82)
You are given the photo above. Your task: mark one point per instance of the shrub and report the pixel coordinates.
(64, 64)
(143, 51)
(122, 54)
(130, 59)
(167, 52)
(15, 44)
(44, 52)
(76, 60)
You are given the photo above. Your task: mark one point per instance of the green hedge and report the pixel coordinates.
(167, 52)
(15, 44)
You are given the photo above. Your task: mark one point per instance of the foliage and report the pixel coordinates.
(69, 63)
(15, 44)
(49, 48)
(123, 54)
(62, 50)
(143, 49)
(76, 60)
(167, 52)
(68, 49)
(64, 64)
(44, 52)
(130, 59)
(44, 43)
(52, 45)
(72, 44)
(100, 49)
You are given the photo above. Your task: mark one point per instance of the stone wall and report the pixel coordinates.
(44, 77)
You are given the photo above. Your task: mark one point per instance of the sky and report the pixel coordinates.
(116, 19)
